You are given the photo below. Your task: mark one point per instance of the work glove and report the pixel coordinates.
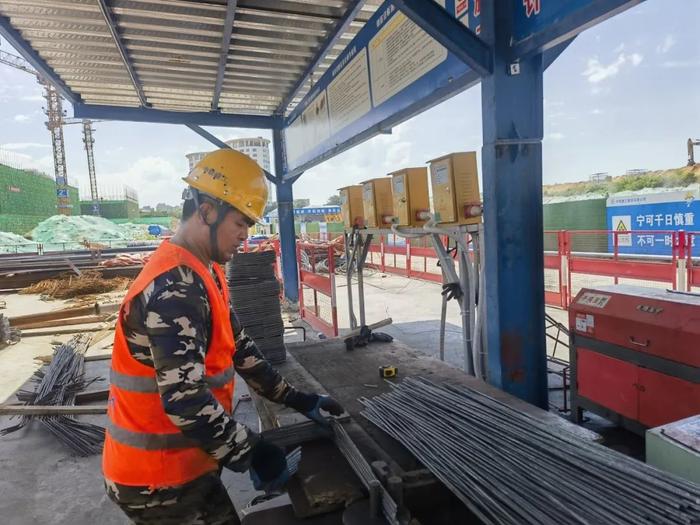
(451, 291)
(268, 467)
(365, 337)
(311, 405)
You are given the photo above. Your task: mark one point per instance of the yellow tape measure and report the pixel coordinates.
(388, 371)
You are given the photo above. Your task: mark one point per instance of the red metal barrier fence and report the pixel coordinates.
(317, 298)
(572, 260)
(578, 259)
(412, 258)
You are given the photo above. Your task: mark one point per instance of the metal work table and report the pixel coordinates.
(326, 366)
(346, 375)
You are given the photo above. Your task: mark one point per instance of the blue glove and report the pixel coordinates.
(268, 467)
(311, 405)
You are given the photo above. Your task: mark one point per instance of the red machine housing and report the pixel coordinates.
(635, 355)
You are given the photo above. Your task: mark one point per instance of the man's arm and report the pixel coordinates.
(255, 370)
(267, 382)
(177, 327)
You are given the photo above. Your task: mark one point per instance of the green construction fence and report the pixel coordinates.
(27, 198)
(113, 209)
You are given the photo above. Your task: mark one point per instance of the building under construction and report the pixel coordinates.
(122, 203)
(28, 197)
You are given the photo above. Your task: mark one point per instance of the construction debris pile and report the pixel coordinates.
(255, 298)
(69, 286)
(126, 259)
(13, 243)
(510, 468)
(57, 385)
(70, 232)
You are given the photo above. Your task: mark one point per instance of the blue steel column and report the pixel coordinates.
(512, 109)
(285, 210)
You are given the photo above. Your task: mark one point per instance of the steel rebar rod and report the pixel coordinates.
(509, 467)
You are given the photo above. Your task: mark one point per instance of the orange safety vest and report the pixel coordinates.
(142, 446)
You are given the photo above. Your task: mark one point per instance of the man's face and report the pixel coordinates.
(231, 233)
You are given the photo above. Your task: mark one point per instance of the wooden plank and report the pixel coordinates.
(91, 396)
(50, 410)
(65, 313)
(374, 326)
(88, 319)
(101, 357)
(67, 331)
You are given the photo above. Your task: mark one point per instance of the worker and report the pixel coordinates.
(177, 344)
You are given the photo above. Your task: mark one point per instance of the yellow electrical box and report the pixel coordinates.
(410, 194)
(377, 202)
(351, 207)
(455, 183)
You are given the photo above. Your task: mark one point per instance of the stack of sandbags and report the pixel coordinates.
(255, 293)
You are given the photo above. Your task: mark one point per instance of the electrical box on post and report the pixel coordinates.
(351, 206)
(377, 202)
(455, 183)
(410, 195)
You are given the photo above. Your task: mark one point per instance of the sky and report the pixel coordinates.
(624, 95)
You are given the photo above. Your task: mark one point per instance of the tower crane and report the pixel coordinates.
(54, 123)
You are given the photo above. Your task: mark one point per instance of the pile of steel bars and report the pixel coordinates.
(509, 468)
(57, 384)
(293, 460)
(21, 270)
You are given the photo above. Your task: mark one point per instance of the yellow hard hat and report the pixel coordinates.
(234, 178)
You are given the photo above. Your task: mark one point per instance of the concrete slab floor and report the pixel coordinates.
(43, 482)
(17, 362)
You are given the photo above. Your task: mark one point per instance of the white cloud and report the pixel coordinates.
(665, 46)
(32, 98)
(636, 59)
(16, 146)
(555, 136)
(597, 72)
(25, 161)
(377, 157)
(21, 118)
(681, 64)
(619, 49)
(597, 111)
(155, 178)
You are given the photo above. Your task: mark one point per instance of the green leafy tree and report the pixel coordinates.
(333, 200)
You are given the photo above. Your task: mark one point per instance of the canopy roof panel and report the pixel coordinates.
(177, 54)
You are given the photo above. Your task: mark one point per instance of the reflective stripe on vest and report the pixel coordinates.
(148, 441)
(148, 385)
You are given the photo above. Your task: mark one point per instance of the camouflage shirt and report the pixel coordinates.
(168, 327)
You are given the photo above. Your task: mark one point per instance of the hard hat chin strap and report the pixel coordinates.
(221, 211)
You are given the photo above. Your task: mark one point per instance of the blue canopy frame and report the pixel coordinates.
(508, 57)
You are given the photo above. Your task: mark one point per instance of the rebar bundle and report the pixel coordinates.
(363, 470)
(57, 384)
(510, 468)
